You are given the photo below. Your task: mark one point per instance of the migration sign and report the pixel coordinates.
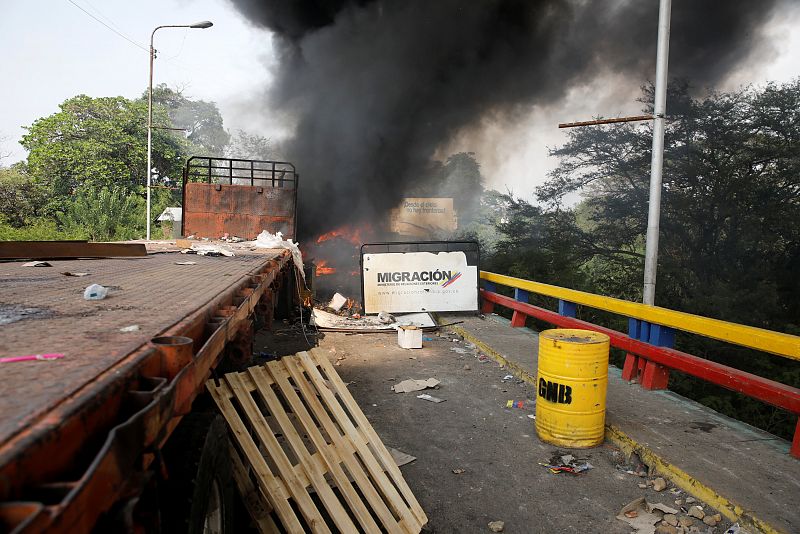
(419, 281)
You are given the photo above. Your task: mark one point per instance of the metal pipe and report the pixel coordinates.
(657, 161)
(606, 121)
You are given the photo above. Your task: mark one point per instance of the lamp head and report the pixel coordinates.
(202, 24)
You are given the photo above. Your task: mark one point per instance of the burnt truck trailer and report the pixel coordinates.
(117, 434)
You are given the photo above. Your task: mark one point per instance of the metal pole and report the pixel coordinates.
(201, 25)
(657, 162)
(150, 130)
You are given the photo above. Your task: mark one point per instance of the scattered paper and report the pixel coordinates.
(407, 386)
(400, 458)
(459, 350)
(185, 263)
(642, 516)
(459, 471)
(131, 328)
(78, 275)
(36, 264)
(430, 398)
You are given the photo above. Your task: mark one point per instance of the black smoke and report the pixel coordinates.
(373, 88)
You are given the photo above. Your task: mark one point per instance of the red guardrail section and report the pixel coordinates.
(769, 391)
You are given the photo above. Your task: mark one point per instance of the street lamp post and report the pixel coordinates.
(200, 25)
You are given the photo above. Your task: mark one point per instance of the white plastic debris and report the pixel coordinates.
(212, 250)
(276, 240)
(95, 292)
(337, 302)
(131, 328)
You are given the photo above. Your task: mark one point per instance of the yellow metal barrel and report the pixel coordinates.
(572, 382)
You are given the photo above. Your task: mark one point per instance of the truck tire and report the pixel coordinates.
(198, 497)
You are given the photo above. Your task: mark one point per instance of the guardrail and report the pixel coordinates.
(650, 340)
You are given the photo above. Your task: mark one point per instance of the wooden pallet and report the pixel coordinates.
(301, 440)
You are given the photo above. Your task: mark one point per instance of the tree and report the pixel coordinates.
(104, 214)
(102, 142)
(250, 146)
(22, 200)
(730, 239)
(730, 204)
(201, 120)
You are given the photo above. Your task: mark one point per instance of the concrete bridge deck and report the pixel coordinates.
(745, 473)
(728, 467)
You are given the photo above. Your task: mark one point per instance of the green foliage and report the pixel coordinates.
(21, 198)
(201, 120)
(104, 214)
(100, 141)
(729, 241)
(35, 230)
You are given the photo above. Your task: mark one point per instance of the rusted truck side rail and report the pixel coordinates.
(97, 450)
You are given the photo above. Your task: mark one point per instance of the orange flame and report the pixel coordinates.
(353, 235)
(323, 269)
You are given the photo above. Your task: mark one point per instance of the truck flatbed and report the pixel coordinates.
(79, 398)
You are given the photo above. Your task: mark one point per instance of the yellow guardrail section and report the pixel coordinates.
(785, 345)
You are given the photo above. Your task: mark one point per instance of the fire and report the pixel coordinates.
(348, 233)
(323, 269)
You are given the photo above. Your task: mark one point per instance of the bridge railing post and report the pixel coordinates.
(649, 374)
(518, 319)
(487, 307)
(567, 309)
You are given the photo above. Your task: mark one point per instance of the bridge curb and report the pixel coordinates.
(628, 445)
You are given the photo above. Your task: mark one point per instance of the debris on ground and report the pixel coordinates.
(77, 275)
(36, 264)
(426, 338)
(355, 323)
(430, 398)
(337, 301)
(642, 516)
(496, 526)
(185, 263)
(400, 458)
(696, 511)
(507, 377)
(634, 466)
(131, 328)
(459, 350)
(409, 337)
(386, 318)
(32, 357)
(95, 292)
(407, 386)
(566, 463)
(525, 404)
(459, 471)
(659, 484)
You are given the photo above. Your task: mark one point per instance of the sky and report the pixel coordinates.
(55, 50)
